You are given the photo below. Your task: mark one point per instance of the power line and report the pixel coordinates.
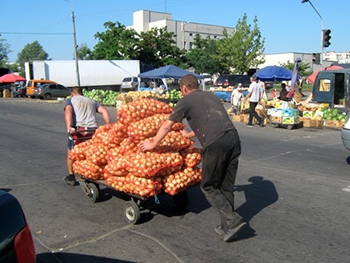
(33, 33)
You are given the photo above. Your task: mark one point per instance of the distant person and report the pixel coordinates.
(262, 84)
(236, 99)
(255, 94)
(80, 117)
(283, 92)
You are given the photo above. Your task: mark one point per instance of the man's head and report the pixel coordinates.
(188, 83)
(283, 85)
(252, 79)
(76, 91)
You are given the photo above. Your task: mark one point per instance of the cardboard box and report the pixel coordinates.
(334, 124)
(238, 118)
(308, 114)
(6, 93)
(276, 119)
(311, 123)
(291, 120)
(245, 118)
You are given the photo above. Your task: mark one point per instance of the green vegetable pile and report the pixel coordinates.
(104, 97)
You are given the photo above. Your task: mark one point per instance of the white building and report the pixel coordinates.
(279, 58)
(185, 31)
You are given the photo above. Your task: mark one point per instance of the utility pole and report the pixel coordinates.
(321, 57)
(75, 45)
(75, 50)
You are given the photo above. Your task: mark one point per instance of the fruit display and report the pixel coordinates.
(113, 154)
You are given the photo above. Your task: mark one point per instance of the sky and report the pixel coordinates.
(286, 25)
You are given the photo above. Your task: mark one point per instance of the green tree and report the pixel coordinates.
(4, 51)
(30, 52)
(304, 69)
(84, 52)
(242, 50)
(117, 42)
(158, 48)
(202, 56)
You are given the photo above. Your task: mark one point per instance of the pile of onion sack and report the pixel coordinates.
(113, 154)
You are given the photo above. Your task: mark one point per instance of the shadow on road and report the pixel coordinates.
(259, 194)
(75, 258)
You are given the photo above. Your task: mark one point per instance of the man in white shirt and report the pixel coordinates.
(255, 94)
(236, 98)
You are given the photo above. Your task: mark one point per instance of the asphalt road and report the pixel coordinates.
(293, 189)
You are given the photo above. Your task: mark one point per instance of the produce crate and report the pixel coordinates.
(308, 114)
(291, 120)
(245, 117)
(310, 123)
(238, 118)
(275, 119)
(7, 93)
(334, 124)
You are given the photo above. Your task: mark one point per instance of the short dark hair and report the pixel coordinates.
(77, 90)
(190, 81)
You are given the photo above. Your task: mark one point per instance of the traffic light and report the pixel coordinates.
(326, 37)
(316, 58)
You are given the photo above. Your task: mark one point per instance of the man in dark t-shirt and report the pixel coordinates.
(221, 145)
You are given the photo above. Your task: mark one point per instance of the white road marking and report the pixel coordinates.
(347, 189)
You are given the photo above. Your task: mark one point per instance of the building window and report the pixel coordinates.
(215, 36)
(191, 34)
(190, 45)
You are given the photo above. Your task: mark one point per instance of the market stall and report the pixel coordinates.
(170, 71)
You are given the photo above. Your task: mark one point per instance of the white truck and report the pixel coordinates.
(93, 74)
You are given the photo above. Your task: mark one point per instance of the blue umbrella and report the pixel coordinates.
(273, 73)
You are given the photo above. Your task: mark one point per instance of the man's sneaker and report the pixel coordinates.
(219, 230)
(70, 180)
(249, 125)
(233, 232)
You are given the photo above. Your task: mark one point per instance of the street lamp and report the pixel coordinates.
(321, 58)
(75, 45)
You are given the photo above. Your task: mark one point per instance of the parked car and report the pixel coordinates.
(132, 83)
(16, 241)
(208, 80)
(51, 90)
(345, 132)
(232, 80)
(35, 83)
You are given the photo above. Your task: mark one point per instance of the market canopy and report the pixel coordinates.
(11, 78)
(169, 71)
(274, 73)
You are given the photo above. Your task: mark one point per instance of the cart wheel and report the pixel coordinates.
(289, 127)
(132, 212)
(180, 200)
(274, 125)
(94, 192)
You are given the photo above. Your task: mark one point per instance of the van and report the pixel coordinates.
(35, 83)
(133, 83)
(333, 87)
(232, 80)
